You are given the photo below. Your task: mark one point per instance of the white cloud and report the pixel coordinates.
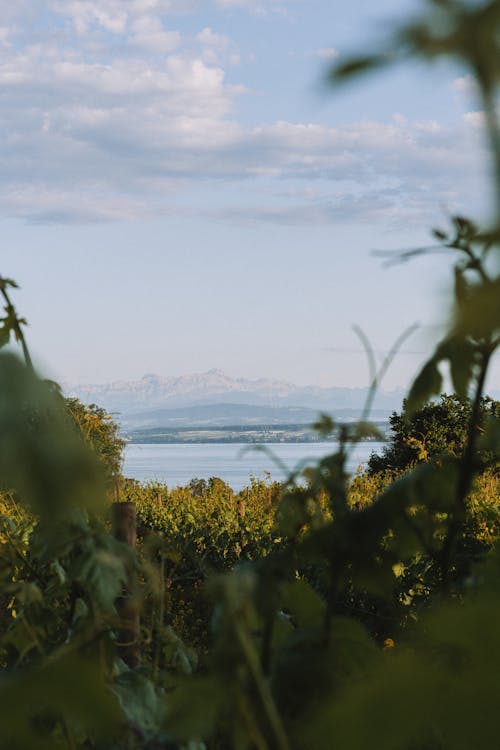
(91, 134)
(211, 39)
(5, 34)
(148, 32)
(389, 207)
(475, 120)
(217, 47)
(260, 7)
(465, 85)
(111, 15)
(117, 16)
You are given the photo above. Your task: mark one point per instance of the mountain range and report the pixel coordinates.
(215, 398)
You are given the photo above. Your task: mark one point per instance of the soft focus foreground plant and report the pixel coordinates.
(62, 683)
(59, 583)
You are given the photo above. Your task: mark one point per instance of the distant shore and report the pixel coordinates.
(250, 434)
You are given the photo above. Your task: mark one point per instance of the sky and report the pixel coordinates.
(181, 190)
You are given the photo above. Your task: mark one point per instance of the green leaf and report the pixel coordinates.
(42, 457)
(461, 354)
(440, 235)
(358, 65)
(490, 439)
(466, 229)
(70, 689)
(304, 604)
(479, 315)
(6, 283)
(428, 383)
(101, 568)
(461, 288)
(140, 703)
(364, 430)
(294, 512)
(193, 707)
(325, 425)
(4, 334)
(29, 593)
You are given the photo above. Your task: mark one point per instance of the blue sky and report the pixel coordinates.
(180, 190)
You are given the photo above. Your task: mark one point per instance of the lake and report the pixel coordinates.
(235, 463)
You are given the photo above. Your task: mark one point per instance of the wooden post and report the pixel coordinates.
(124, 517)
(242, 507)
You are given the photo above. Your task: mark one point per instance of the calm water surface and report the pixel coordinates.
(235, 463)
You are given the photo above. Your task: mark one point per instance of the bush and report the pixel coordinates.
(200, 530)
(100, 432)
(437, 428)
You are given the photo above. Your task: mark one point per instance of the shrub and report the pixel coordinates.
(437, 428)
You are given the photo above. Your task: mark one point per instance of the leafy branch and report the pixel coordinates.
(12, 323)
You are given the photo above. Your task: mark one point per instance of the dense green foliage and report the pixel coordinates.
(203, 529)
(206, 529)
(209, 522)
(100, 432)
(437, 428)
(371, 619)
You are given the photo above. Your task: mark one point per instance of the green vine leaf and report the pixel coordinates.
(461, 354)
(4, 334)
(428, 383)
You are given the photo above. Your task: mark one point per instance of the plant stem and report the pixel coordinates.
(263, 690)
(493, 131)
(18, 330)
(69, 735)
(254, 731)
(159, 622)
(466, 469)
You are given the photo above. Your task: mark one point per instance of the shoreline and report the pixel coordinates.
(241, 441)
(249, 434)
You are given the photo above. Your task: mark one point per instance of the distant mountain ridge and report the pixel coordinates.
(156, 390)
(212, 397)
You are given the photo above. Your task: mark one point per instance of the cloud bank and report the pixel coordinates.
(108, 112)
